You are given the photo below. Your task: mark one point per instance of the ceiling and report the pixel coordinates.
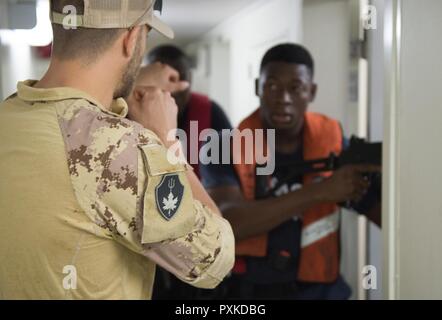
(188, 18)
(192, 18)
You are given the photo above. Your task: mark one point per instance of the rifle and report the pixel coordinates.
(358, 152)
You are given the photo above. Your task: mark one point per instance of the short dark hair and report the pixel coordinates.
(167, 53)
(289, 53)
(172, 56)
(80, 42)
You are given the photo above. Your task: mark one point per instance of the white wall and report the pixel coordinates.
(18, 63)
(327, 36)
(414, 157)
(248, 35)
(212, 75)
(15, 59)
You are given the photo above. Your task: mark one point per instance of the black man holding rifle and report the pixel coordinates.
(286, 225)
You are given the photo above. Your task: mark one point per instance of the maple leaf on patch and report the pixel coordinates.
(170, 203)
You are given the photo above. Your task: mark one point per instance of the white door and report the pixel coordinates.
(413, 153)
(329, 27)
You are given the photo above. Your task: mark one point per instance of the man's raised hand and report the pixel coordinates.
(161, 76)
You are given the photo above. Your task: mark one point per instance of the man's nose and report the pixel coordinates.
(285, 96)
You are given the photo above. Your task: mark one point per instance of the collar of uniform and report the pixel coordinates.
(27, 92)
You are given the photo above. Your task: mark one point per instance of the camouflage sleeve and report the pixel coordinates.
(179, 233)
(125, 184)
(202, 257)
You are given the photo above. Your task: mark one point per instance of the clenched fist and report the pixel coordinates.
(155, 110)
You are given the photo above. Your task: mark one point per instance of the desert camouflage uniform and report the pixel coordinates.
(79, 210)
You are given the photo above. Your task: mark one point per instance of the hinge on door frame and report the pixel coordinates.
(359, 48)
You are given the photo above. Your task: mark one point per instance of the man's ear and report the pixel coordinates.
(130, 41)
(313, 92)
(257, 89)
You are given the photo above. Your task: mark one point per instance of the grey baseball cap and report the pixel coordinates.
(108, 14)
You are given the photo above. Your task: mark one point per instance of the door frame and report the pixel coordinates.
(390, 195)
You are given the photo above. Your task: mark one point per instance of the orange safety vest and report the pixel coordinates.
(319, 260)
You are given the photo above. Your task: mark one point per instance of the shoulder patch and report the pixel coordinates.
(168, 205)
(168, 196)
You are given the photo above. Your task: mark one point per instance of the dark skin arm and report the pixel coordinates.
(251, 218)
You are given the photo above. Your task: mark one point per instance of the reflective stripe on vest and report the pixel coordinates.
(320, 229)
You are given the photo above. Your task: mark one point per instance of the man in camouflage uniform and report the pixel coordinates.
(89, 202)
